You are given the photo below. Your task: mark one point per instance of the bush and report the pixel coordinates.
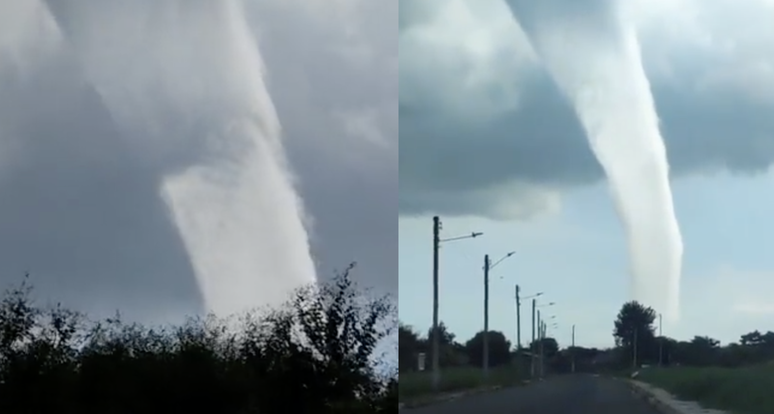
(312, 356)
(741, 390)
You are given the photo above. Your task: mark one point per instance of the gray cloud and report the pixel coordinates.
(485, 131)
(83, 214)
(336, 90)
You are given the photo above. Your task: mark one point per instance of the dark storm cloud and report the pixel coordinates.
(323, 72)
(460, 159)
(83, 214)
(540, 142)
(80, 213)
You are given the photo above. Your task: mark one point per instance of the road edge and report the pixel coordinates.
(430, 400)
(435, 399)
(646, 392)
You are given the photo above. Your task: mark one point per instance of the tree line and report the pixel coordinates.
(453, 353)
(636, 344)
(315, 355)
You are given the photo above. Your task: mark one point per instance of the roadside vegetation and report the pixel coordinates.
(744, 390)
(315, 355)
(461, 362)
(737, 376)
(419, 384)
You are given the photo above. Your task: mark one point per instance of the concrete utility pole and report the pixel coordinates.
(435, 346)
(436, 340)
(660, 343)
(539, 344)
(486, 316)
(572, 351)
(532, 344)
(634, 357)
(542, 347)
(518, 319)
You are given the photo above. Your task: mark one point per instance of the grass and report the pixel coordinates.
(738, 390)
(416, 385)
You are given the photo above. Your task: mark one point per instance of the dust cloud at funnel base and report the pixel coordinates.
(183, 83)
(597, 65)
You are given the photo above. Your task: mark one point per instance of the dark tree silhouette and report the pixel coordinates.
(634, 324)
(314, 355)
(446, 338)
(752, 348)
(499, 349)
(410, 346)
(550, 346)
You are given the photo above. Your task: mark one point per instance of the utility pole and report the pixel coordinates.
(436, 340)
(435, 346)
(539, 324)
(532, 344)
(486, 316)
(660, 343)
(634, 357)
(539, 347)
(543, 328)
(572, 351)
(518, 319)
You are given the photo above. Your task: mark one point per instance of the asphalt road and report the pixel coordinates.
(571, 394)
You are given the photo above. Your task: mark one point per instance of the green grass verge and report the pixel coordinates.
(747, 390)
(419, 384)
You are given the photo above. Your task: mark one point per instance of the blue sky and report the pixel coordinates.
(577, 256)
(494, 111)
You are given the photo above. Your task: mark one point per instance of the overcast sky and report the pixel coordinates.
(84, 216)
(490, 144)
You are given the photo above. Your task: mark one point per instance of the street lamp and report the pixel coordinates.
(472, 235)
(536, 319)
(488, 266)
(437, 226)
(498, 261)
(537, 324)
(518, 313)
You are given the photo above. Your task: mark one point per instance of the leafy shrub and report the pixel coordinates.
(314, 355)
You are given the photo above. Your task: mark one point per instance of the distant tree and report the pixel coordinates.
(768, 339)
(702, 351)
(634, 324)
(756, 338)
(705, 342)
(445, 337)
(736, 354)
(451, 352)
(408, 348)
(751, 339)
(585, 358)
(670, 350)
(499, 349)
(550, 346)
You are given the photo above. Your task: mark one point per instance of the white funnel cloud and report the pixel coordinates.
(594, 58)
(184, 82)
(28, 34)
